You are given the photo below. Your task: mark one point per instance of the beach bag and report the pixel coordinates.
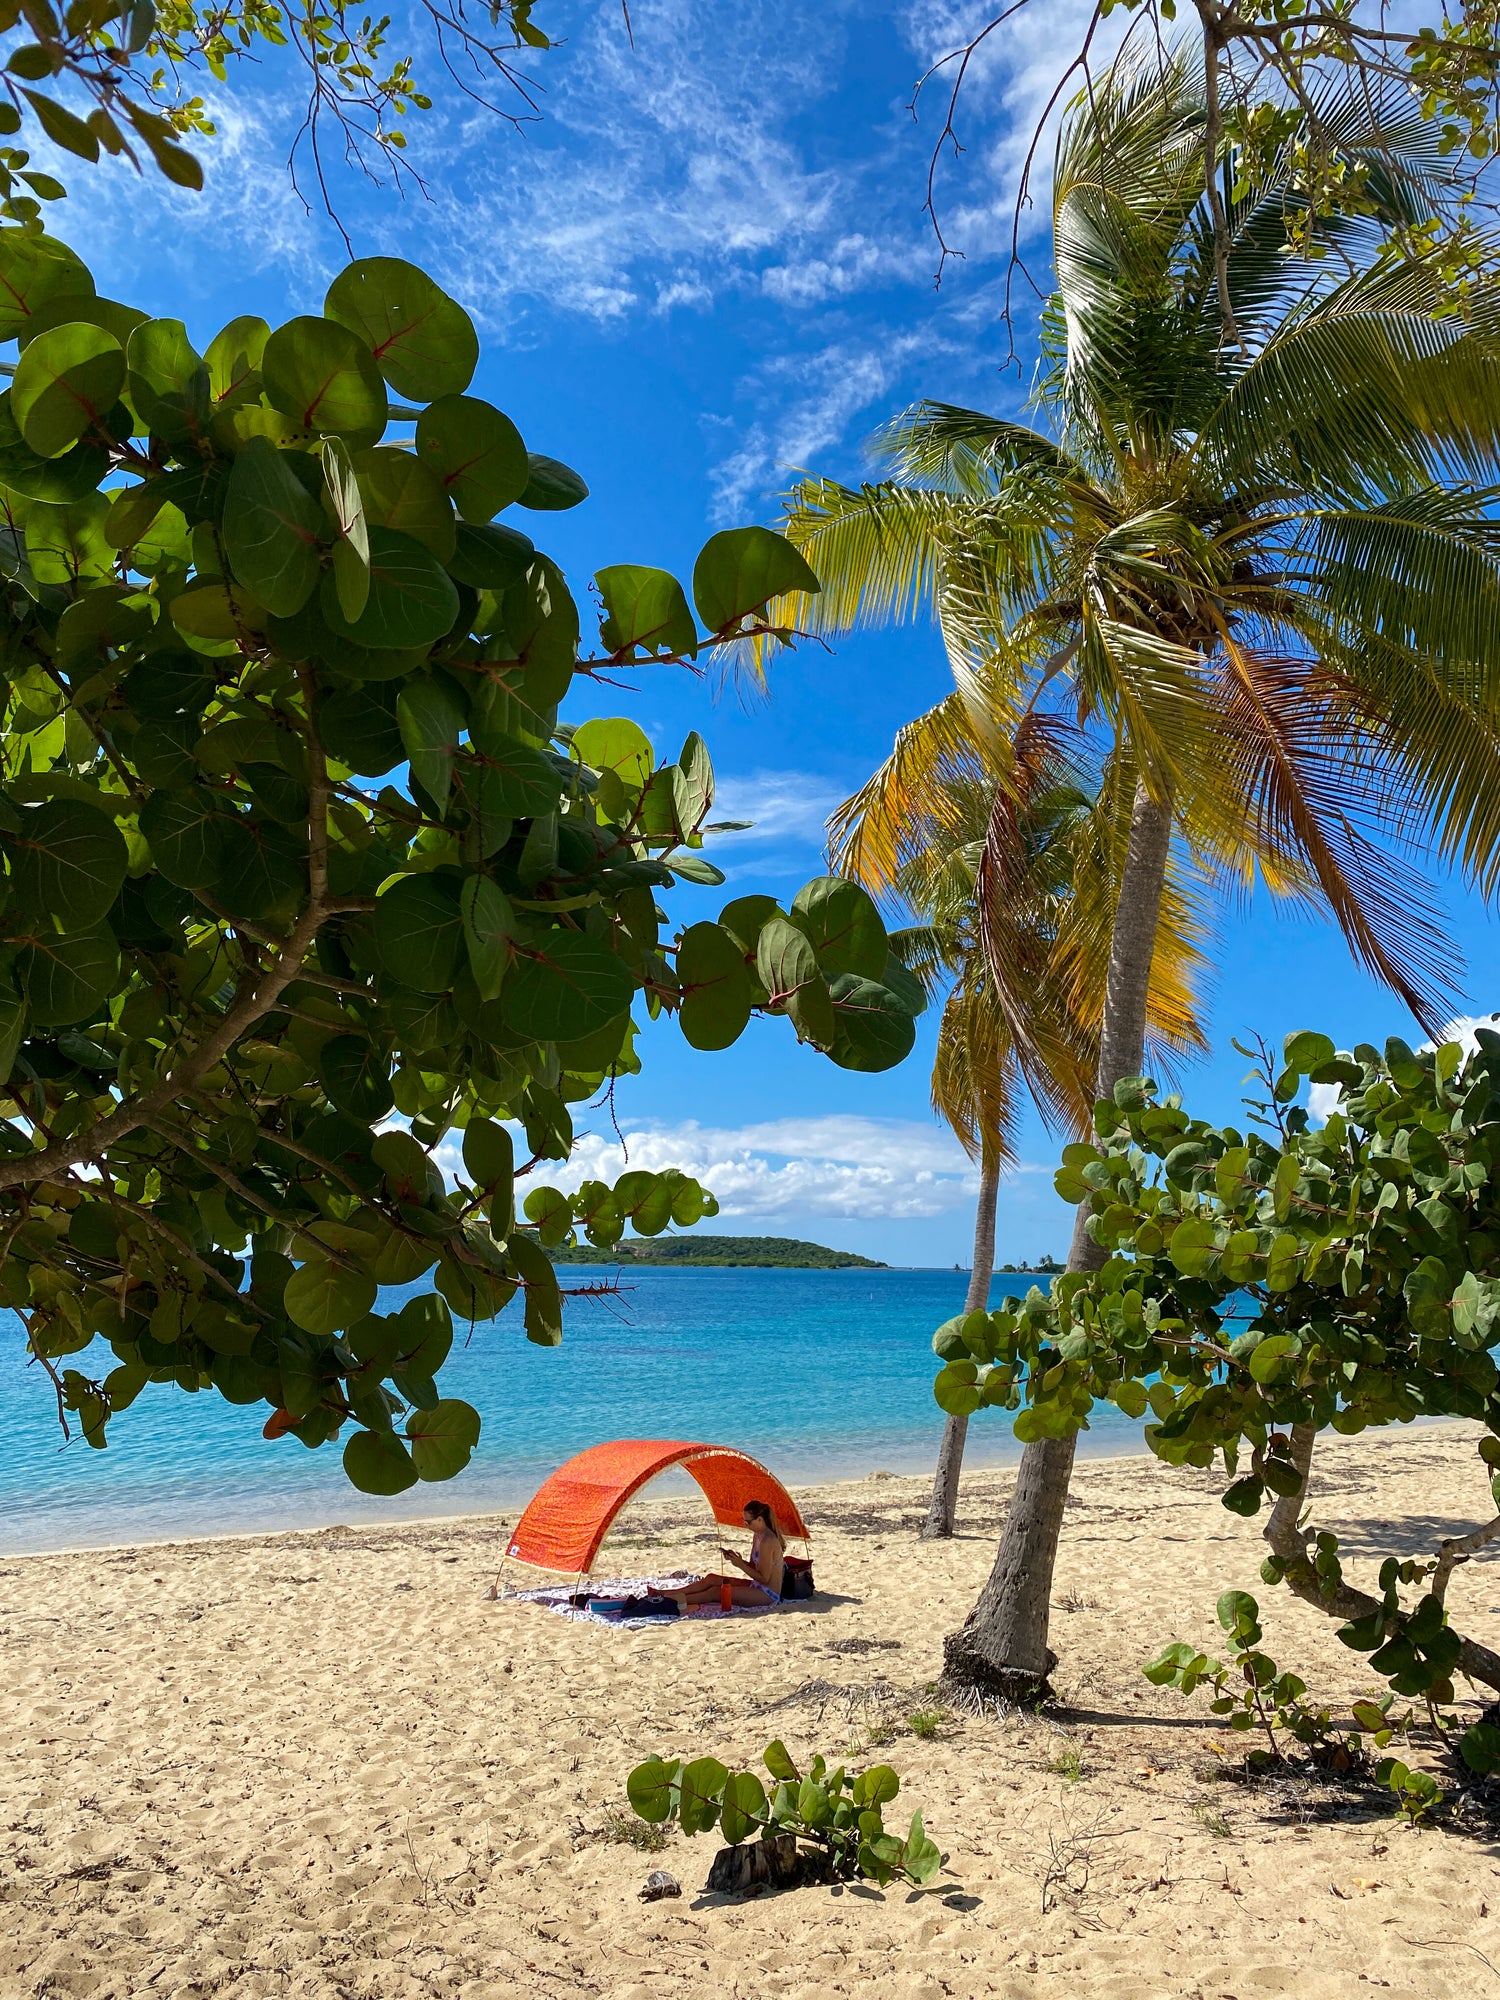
(797, 1579)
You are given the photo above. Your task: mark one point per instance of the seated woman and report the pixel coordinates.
(765, 1569)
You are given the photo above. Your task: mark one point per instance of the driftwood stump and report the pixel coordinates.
(756, 1864)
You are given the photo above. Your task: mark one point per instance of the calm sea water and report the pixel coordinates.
(821, 1374)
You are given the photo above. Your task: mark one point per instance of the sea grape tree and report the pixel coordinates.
(1266, 1284)
(303, 872)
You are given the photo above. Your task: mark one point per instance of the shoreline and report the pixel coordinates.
(503, 1517)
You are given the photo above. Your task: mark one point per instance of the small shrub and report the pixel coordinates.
(836, 1812)
(926, 1721)
(621, 1829)
(1068, 1764)
(1266, 1699)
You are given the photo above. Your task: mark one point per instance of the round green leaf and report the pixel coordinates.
(614, 743)
(59, 480)
(489, 1153)
(476, 452)
(442, 1438)
(356, 1076)
(376, 1462)
(651, 1790)
(361, 731)
(324, 378)
(489, 929)
(424, 343)
(271, 529)
(741, 570)
(843, 926)
(400, 491)
(700, 1788)
(35, 271)
(788, 969)
(65, 381)
(412, 599)
(524, 783)
(324, 1298)
(67, 862)
(646, 610)
(716, 987)
(168, 381)
(189, 834)
(490, 556)
(572, 985)
(419, 930)
(552, 486)
(872, 1030)
(66, 978)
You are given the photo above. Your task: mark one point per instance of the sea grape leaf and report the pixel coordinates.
(271, 529)
(324, 378)
(323, 1297)
(411, 601)
(872, 1030)
(843, 926)
(423, 342)
(550, 485)
(65, 381)
(67, 862)
(376, 1462)
(645, 610)
(739, 570)
(476, 452)
(563, 987)
(400, 491)
(168, 381)
(420, 932)
(716, 988)
(443, 1438)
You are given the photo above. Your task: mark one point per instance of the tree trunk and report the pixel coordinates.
(1002, 1645)
(1289, 1540)
(944, 1501)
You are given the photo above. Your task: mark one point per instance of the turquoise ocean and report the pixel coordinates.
(820, 1374)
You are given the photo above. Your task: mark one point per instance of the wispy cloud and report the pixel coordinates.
(786, 808)
(812, 400)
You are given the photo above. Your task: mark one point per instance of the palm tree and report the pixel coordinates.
(1262, 578)
(931, 858)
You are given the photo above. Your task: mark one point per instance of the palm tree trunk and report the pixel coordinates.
(1002, 1645)
(944, 1501)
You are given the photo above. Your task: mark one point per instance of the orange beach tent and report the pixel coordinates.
(572, 1511)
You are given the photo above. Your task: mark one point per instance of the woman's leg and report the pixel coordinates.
(709, 1590)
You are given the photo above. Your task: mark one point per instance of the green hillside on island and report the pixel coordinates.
(763, 1253)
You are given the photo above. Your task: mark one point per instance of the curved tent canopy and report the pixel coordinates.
(573, 1511)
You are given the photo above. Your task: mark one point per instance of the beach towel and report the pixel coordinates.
(621, 1592)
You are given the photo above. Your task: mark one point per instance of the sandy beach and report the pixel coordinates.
(322, 1764)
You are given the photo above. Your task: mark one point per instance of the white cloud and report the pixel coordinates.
(815, 398)
(1323, 1099)
(1461, 1030)
(787, 808)
(791, 1169)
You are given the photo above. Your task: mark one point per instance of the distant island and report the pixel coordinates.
(1046, 1264)
(761, 1253)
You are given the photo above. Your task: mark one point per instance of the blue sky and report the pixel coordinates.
(706, 266)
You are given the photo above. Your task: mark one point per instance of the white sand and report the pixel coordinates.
(313, 1765)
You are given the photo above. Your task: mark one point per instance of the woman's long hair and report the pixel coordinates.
(758, 1510)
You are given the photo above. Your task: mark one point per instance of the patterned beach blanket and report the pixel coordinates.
(558, 1598)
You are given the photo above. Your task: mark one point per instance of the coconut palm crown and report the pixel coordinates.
(1261, 578)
